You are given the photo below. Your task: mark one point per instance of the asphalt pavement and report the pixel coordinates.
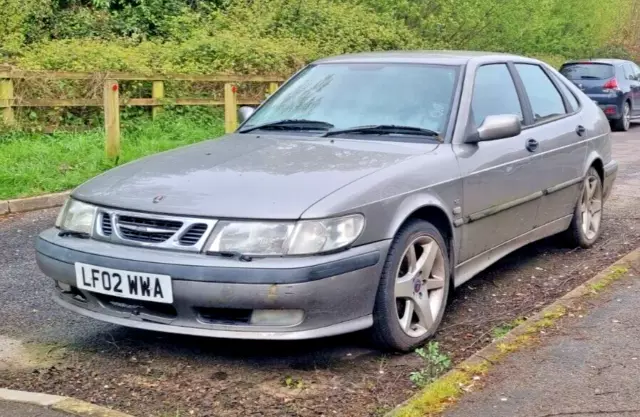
(13, 409)
(590, 369)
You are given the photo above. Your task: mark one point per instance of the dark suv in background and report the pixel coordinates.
(612, 83)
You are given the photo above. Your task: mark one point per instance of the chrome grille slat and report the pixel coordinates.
(157, 223)
(153, 230)
(107, 227)
(145, 229)
(193, 234)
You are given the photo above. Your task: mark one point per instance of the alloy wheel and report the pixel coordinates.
(591, 206)
(626, 116)
(419, 286)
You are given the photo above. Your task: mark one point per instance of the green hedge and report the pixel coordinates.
(278, 36)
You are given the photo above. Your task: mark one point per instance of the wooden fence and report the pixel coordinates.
(111, 100)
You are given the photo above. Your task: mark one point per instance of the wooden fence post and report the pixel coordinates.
(111, 98)
(157, 92)
(6, 99)
(272, 88)
(230, 107)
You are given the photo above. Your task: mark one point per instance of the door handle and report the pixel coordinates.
(580, 130)
(532, 145)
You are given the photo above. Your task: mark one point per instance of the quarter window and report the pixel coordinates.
(573, 101)
(632, 69)
(494, 93)
(629, 72)
(546, 101)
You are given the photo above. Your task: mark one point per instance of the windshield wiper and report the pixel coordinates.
(386, 130)
(290, 124)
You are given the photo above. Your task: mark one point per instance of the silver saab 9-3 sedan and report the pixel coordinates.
(357, 196)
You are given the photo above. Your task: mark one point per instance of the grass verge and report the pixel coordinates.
(36, 163)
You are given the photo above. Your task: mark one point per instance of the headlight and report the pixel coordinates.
(286, 238)
(76, 216)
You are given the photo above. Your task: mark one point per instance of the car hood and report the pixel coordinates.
(244, 176)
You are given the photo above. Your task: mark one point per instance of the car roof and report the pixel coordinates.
(419, 57)
(610, 61)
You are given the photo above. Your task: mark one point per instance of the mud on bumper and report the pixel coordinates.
(216, 297)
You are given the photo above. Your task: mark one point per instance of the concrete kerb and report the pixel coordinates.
(437, 396)
(21, 205)
(58, 403)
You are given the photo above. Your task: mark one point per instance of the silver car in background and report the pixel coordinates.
(357, 196)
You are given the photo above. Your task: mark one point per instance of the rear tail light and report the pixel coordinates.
(612, 84)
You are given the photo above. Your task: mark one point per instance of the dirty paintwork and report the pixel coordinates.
(487, 197)
(272, 295)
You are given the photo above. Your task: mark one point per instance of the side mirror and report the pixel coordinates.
(244, 113)
(498, 127)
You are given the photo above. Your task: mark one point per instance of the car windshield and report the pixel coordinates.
(349, 95)
(587, 71)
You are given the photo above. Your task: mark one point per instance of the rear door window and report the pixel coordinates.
(546, 101)
(494, 93)
(588, 71)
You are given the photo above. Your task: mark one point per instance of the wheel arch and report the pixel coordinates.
(595, 161)
(433, 210)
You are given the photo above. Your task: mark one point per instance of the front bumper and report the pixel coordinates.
(212, 294)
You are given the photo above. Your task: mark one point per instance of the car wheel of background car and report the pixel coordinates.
(624, 123)
(587, 220)
(413, 289)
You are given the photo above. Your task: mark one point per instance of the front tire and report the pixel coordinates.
(586, 225)
(414, 288)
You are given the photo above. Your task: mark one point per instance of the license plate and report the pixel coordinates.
(126, 284)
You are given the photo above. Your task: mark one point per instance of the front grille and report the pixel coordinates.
(193, 234)
(187, 234)
(107, 227)
(146, 229)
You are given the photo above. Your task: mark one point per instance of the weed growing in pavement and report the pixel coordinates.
(436, 363)
(613, 274)
(501, 331)
(293, 383)
(435, 397)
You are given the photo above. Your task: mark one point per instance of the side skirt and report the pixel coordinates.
(469, 268)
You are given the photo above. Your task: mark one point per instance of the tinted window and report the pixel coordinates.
(587, 71)
(573, 101)
(632, 68)
(348, 95)
(494, 93)
(629, 72)
(545, 99)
